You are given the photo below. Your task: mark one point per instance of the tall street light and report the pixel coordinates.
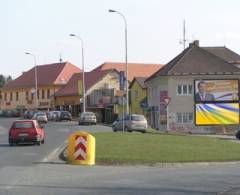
(126, 57)
(83, 78)
(36, 83)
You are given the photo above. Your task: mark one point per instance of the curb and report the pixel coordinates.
(54, 157)
(59, 156)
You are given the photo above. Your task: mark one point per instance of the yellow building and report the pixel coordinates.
(20, 93)
(138, 96)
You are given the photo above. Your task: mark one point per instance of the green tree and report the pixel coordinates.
(4, 80)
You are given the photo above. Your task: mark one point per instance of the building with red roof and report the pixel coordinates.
(102, 89)
(20, 93)
(134, 69)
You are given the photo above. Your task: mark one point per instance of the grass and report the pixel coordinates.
(138, 148)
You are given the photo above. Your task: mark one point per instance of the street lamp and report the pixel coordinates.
(36, 84)
(83, 78)
(126, 57)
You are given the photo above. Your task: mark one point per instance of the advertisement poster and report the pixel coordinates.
(217, 114)
(216, 90)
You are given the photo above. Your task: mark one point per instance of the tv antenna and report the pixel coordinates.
(184, 40)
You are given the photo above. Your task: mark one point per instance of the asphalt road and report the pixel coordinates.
(26, 155)
(23, 172)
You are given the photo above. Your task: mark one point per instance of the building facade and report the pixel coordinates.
(20, 93)
(171, 90)
(138, 96)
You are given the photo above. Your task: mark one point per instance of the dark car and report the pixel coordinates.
(25, 131)
(64, 116)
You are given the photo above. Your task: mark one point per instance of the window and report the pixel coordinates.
(23, 125)
(184, 90)
(48, 93)
(11, 96)
(37, 94)
(5, 96)
(26, 95)
(179, 89)
(184, 118)
(16, 96)
(190, 89)
(43, 94)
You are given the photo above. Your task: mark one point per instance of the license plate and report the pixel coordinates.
(23, 134)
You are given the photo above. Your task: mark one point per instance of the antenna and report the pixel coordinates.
(184, 40)
(60, 57)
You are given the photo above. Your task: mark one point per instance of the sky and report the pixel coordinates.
(154, 27)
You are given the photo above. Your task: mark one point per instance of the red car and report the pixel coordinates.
(23, 131)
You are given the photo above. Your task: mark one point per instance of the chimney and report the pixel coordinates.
(195, 42)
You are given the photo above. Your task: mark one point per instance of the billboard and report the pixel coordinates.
(216, 91)
(217, 114)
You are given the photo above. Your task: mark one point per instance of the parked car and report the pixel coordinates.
(56, 115)
(87, 118)
(1, 113)
(65, 115)
(50, 115)
(132, 122)
(30, 114)
(23, 131)
(41, 117)
(237, 134)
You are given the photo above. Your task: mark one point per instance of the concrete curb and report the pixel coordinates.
(58, 156)
(54, 156)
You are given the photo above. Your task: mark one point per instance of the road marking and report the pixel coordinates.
(3, 130)
(54, 154)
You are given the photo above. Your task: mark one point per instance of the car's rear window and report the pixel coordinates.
(23, 125)
(138, 117)
(41, 114)
(88, 114)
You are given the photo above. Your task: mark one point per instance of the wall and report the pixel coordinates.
(182, 103)
(22, 102)
(135, 101)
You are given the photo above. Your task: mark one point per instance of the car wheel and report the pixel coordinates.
(10, 143)
(126, 129)
(43, 141)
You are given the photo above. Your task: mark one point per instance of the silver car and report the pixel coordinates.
(132, 122)
(87, 118)
(41, 117)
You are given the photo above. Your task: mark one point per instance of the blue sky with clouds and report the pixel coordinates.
(154, 30)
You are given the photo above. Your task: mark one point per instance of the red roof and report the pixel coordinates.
(57, 73)
(134, 69)
(91, 78)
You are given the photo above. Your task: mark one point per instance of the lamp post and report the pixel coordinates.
(83, 78)
(36, 83)
(126, 58)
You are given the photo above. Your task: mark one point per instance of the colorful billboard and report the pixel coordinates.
(217, 114)
(216, 91)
